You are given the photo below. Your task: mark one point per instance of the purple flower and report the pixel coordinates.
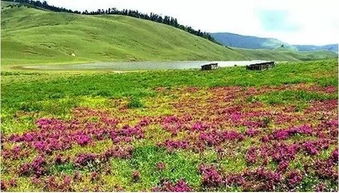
(283, 165)
(168, 186)
(283, 134)
(37, 167)
(215, 137)
(294, 178)
(118, 152)
(313, 147)
(334, 156)
(199, 126)
(82, 139)
(251, 132)
(171, 145)
(84, 159)
(284, 152)
(211, 177)
(251, 155)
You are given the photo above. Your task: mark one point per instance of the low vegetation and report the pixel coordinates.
(224, 130)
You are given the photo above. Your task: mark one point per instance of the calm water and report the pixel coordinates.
(133, 66)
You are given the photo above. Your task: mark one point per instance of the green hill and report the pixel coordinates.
(36, 36)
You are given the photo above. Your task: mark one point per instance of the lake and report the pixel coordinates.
(136, 66)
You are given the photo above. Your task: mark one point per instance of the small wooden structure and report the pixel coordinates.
(210, 66)
(261, 66)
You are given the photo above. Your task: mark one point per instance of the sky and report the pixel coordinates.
(293, 21)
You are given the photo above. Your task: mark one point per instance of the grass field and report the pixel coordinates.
(229, 129)
(223, 130)
(33, 36)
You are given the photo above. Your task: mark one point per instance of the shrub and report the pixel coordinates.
(134, 103)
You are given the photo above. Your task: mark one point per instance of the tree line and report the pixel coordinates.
(113, 11)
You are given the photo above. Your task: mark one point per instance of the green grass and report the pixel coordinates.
(55, 93)
(291, 96)
(44, 87)
(33, 36)
(27, 96)
(177, 165)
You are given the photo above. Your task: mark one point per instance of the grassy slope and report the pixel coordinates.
(52, 37)
(32, 36)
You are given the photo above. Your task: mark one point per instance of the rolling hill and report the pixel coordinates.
(37, 36)
(250, 42)
(253, 42)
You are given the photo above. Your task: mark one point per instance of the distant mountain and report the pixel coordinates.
(250, 42)
(329, 47)
(253, 42)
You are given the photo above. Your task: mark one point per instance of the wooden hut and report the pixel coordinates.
(261, 65)
(210, 66)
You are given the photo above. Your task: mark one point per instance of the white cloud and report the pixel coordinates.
(316, 20)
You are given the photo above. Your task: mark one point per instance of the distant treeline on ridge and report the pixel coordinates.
(133, 13)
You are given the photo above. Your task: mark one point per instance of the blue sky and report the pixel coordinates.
(277, 20)
(292, 21)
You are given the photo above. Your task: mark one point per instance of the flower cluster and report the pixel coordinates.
(211, 177)
(37, 167)
(56, 135)
(215, 137)
(90, 158)
(279, 152)
(314, 147)
(286, 133)
(171, 145)
(85, 159)
(294, 178)
(168, 186)
(274, 147)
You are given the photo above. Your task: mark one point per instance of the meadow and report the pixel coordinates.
(230, 129)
